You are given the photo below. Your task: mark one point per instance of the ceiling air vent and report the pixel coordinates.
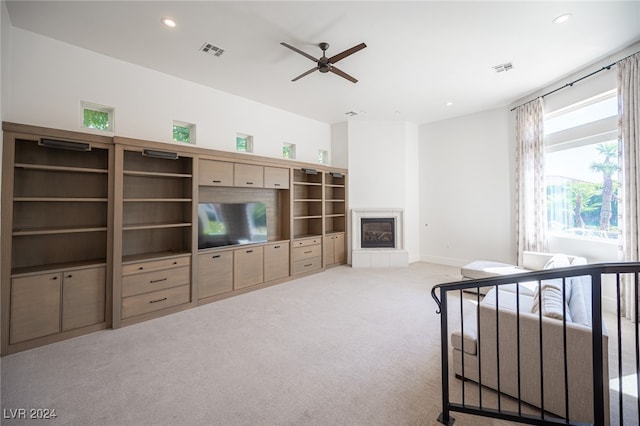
(503, 67)
(211, 49)
(351, 113)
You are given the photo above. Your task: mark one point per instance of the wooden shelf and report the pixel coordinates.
(307, 183)
(307, 217)
(335, 201)
(54, 231)
(307, 200)
(157, 200)
(156, 174)
(334, 215)
(331, 185)
(154, 255)
(60, 200)
(56, 267)
(156, 226)
(49, 168)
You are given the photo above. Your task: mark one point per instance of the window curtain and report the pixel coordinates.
(531, 209)
(629, 146)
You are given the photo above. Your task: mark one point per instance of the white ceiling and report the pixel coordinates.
(420, 55)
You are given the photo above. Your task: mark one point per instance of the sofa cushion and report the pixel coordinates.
(580, 301)
(551, 301)
(470, 335)
(486, 268)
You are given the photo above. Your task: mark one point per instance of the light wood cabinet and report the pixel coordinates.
(215, 173)
(334, 249)
(335, 203)
(49, 303)
(306, 256)
(276, 261)
(83, 297)
(155, 285)
(248, 267)
(215, 273)
(35, 306)
(57, 197)
(248, 175)
(276, 177)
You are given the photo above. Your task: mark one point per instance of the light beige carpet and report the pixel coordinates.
(342, 347)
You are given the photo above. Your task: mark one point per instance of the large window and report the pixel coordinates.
(581, 169)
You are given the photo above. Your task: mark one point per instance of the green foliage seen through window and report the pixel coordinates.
(241, 144)
(181, 134)
(93, 119)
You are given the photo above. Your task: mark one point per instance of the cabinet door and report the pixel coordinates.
(35, 306)
(248, 175)
(276, 177)
(248, 267)
(83, 297)
(215, 173)
(340, 255)
(276, 261)
(329, 250)
(215, 273)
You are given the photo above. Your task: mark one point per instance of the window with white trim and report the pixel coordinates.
(244, 143)
(184, 132)
(323, 156)
(581, 168)
(99, 117)
(289, 150)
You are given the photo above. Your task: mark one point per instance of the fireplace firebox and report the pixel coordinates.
(377, 232)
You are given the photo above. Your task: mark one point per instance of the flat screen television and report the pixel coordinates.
(228, 224)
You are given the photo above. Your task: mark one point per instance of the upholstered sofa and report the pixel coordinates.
(547, 297)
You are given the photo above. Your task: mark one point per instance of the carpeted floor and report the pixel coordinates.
(342, 347)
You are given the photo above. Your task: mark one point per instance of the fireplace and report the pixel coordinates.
(377, 240)
(377, 232)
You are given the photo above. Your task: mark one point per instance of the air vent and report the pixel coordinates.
(503, 67)
(351, 113)
(211, 49)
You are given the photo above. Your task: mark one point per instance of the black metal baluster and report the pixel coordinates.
(464, 378)
(518, 343)
(541, 353)
(620, 394)
(564, 345)
(596, 304)
(478, 349)
(498, 345)
(637, 342)
(444, 355)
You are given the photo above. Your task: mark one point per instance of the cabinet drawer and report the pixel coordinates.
(306, 252)
(276, 177)
(307, 265)
(155, 265)
(215, 273)
(276, 261)
(215, 173)
(154, 301)
(155, 280)
(248, 175)
(248, 267)
(307, 242)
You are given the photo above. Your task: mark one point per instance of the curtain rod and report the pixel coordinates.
(606, 67)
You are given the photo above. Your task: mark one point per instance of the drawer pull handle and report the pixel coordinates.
(249, 251)
(217, 181)
(159, 300)
(308, 264)
(276, 184)
(307, 252)
(157, 281)
(140, 268)
(54, 278)
(70, 276)
(175, 263)
(276, 247)
(249, 183)
(215, 256)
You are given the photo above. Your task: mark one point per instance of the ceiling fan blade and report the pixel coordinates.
(306, 55)
(342, 74)
(339, 56)
(305, 73)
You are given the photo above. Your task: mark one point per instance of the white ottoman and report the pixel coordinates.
(486, 269)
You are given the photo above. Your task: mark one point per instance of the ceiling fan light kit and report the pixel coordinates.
(324, 64)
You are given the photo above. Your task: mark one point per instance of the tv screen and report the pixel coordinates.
(226, 224)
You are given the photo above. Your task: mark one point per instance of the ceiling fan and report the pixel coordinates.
(325, 64)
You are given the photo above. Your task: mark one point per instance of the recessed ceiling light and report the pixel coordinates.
(449, 103)
(168, 22)
(562, 18)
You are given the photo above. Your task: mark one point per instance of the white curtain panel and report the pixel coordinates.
(629, 145)
(531, 210)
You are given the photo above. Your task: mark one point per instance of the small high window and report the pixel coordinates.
(323, 156)
(289, 150)
(184, 132)
(244, 143)
(98, 117)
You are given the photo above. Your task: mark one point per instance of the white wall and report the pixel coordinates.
(50, 78)
(383, 171)
(466, 176)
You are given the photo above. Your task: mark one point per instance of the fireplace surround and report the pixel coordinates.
(378, 238)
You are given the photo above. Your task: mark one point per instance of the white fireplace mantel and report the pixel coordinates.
(378, 257)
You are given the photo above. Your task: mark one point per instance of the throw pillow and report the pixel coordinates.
(548, 297)
(559, 260)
